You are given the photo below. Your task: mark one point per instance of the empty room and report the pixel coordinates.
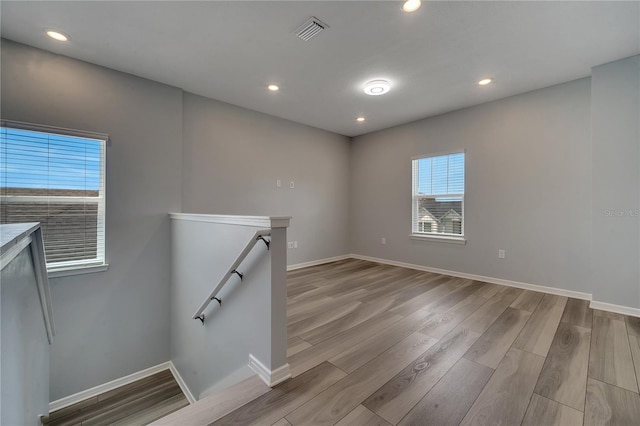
(320, 212)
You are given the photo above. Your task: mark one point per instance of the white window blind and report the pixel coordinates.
(56, 177)
(438, 195)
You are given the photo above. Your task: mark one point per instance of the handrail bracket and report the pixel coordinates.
(240, 274)
(267, 242)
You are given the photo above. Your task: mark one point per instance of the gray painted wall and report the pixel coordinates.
(25, 347)
(112, 323)
(233, 157)
(528, 174)
(206, 354)
(615, 91)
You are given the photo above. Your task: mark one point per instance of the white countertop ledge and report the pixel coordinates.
(12, 234)
(257, 221)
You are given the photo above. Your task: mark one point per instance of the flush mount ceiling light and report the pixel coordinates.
(273, 87)
(57, 35)
(411, 5)
(360, 119)
(485, 81)
(377, 87)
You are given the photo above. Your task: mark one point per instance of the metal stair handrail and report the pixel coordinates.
(258, 236)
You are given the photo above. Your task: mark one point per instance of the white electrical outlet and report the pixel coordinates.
(292, 184)
(383, 240)
(295, 244)
(501, 254)
(290, 244)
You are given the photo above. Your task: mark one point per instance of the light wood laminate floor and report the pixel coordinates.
(373, 344)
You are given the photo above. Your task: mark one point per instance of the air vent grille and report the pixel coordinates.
(310, 28)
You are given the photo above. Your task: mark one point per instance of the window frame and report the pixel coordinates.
(72, 267)
(436, 236)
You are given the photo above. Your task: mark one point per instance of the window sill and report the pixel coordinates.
(76, 270)
(439, 238)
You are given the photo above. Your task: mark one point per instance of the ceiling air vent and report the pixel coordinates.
(310, 28)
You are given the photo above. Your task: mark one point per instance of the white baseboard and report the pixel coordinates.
(183, 385)
(317, 262)
(618, 309)
(114, 384)
(270, 377)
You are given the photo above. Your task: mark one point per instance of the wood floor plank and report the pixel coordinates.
(362, 416)
(219, 404)
(358, 315)
(419, 302)
(355, 356)
(610, 359)
(606, 314)
(400, 394)
(505, 398)
(70, 410)
(537, 335)
(424, 286)
(634, 343)
(121, 400)
(112, 413)
(309, 358)
(564, 374)
(610, 405)
(491, 347)
(281, 422)
(450, 399)
(284, 398)
(443, 323)
(418, 282)
(578, 312)
(337, 401)
(633, 325)
(528, 300)
(543, 411)
(295, 291)
(321, 318)
(490, 290)
(295, 345)
(482, 319)
(145, 416)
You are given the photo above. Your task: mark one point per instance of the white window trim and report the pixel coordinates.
(442, 238)
(435, 236)
(61, 269)
(76, 270)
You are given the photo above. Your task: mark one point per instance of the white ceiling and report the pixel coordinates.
(231, 50)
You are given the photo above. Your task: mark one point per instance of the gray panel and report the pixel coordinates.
(233, 158)
(112, 323)
(615, 118)
(25, 347)
(528, 174)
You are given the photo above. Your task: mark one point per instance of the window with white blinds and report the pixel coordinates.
(438, 195)
(56, 177)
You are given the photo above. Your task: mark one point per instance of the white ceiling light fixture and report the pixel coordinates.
(273, 87)
(377, 87)
(360, 119)
(57, 35)
(485, 81)
(411, 5)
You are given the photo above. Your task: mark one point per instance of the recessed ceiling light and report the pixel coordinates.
(57, 35)
(485, 81)
(360, 119)
(411, 5)
(273, 87)
(377, 87)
